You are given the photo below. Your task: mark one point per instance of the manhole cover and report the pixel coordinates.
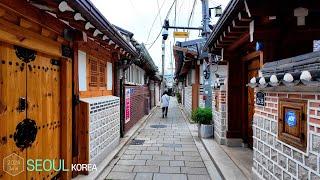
(137, 142)
(158, 126)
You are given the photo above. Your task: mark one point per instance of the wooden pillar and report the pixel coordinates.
(195, 89)
(66, 116)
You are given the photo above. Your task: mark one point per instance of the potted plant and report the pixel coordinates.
(203, 116)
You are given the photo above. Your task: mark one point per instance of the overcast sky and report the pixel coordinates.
(137, 16)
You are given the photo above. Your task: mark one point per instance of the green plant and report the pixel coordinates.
(202, 116)
(178, 97)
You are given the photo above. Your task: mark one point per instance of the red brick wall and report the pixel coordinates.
(138, 104)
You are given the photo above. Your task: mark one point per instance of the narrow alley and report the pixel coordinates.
(163, 149)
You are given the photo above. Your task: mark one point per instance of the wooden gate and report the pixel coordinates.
(29, 108)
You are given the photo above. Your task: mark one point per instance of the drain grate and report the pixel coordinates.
(137, 142)
(158, 126)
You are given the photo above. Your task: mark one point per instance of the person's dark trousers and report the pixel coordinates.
(164, 111)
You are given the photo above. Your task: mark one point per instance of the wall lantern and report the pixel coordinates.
(217, 11)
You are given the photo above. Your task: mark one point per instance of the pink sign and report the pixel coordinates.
(127, 106)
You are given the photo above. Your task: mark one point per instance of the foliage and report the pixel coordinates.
(178, 97)
(202, 116)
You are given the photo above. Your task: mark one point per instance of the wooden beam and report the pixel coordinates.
(10, 32)
(2, 12)
(25, 23)
(244, 39)
(45, 32)
(243, 18)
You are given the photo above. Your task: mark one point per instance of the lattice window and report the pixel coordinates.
(94, 73)
(102, 74)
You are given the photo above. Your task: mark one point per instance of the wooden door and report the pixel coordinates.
(12, 88)
(32, 132)
(253, 67)
(43, 96)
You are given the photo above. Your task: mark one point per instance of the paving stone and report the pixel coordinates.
(158, 176)
(151, 152)
(163, 157)
(198, 177)
(194, 164)
(152, 148)
(316, 143)
(157, 163)
(167, 169)
(132, 152)
(122, 168)
(176, 163)
(186, 149)
(188, 158)
(192, 170)
(191, 153)
(143, 157)
(144, 176)
(127, 156)
(131, 162)
(136, 147)
(150, 169)
(121, 175)
(172, 153)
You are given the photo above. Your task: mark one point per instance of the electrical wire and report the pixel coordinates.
(168, 13)
(159, 10)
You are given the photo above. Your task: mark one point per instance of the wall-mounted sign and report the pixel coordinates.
(260, 98)
(178, 34)
(128, 104)
(291, 118)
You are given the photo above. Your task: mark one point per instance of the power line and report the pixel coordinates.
(162, 27)
(159, 10)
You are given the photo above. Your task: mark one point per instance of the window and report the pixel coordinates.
(292, 123)
(109, 76)
(94, 72)
(98, 73)
(82, 70)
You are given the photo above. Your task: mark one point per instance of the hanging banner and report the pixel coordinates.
(127, 105)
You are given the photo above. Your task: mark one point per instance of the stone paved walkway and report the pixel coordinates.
(167, 153)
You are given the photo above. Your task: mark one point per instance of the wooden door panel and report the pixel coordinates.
(12, 87)
(43, 94)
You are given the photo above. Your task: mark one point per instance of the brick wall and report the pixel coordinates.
(274, 159)
(138, 104)
(219, 115)
(188, 100)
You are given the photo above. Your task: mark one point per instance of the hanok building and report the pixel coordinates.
(58, 74)
(272, 91)
(188, 73)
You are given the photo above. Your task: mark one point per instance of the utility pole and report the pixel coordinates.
(207, 63)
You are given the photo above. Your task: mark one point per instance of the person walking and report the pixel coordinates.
(165, 104)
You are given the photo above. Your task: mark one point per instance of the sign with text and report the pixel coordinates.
(127, 105)
(178, 34)
(260, 98)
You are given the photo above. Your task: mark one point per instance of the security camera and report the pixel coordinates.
(165, 34)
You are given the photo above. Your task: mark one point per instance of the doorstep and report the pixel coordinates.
(123, 141)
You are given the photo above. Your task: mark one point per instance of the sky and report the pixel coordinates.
(137, 16)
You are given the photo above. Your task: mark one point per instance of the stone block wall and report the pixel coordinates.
(274, 159)
(219, 115)
(188, 100)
